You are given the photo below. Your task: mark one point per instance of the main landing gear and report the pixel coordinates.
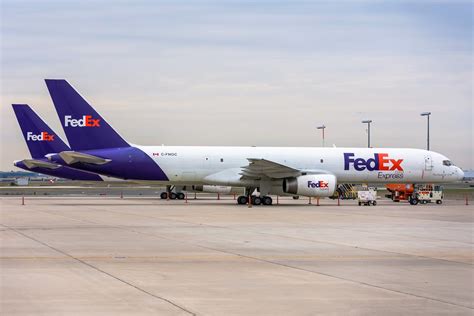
(256, 200)
(172, 195)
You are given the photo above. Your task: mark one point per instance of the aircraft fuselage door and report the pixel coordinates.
(428, 163)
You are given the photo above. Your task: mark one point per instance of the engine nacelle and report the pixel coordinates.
(212, 188)
(314, 185)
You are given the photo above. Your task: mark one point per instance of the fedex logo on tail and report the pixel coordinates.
(41, 137)
(319, 184)
(380, 162)
(85, 121)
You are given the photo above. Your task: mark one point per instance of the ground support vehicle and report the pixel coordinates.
(367, 196)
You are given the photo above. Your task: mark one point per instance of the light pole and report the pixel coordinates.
(322, 127)
(427, 114)
(368, 131)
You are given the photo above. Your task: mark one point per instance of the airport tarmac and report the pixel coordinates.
(145, 256)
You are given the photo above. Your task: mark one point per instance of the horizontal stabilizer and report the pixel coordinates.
(33, 163)
(71, 157)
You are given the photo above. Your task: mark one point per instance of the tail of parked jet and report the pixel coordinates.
(85, 129)
(41, 139)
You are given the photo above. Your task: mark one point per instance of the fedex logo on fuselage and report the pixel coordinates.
(41, 137)
(85, 121)
(380, 162)
(319, 184)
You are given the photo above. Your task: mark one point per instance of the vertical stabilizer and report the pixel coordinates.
(85, 129)
(39, 137)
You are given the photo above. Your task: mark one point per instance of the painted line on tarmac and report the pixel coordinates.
(100, 270)
(125, 228)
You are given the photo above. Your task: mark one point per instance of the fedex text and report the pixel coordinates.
(85, 121)
(41, 137)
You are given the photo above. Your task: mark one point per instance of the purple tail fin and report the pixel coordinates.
(85, 129)
(39, 137)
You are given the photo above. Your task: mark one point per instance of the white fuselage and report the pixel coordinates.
(222, 165)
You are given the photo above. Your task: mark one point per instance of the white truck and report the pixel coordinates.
(367, 196)
(427, 194)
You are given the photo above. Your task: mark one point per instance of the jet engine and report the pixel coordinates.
(315, 185)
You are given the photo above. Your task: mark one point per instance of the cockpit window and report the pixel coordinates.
(447, 163)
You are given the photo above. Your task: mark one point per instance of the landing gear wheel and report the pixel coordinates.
(241, 200)
(256, 200)
(374, 203)
(164, 195)
(296, 197)
(266, 200)
(180, 196)
(439, 201)
(173, 196)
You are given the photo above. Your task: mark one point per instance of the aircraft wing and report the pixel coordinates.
(71, 157)
(33, 163)
(257, 169)
(260, 168)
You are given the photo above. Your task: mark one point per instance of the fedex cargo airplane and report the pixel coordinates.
(42, 140)
(315, 172)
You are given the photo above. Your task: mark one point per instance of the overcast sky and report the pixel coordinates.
(247, 72)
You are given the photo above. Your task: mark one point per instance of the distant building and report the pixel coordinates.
(22, 181)
(14, 176)
(18, 174)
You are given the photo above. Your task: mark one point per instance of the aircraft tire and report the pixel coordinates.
(256, 200)
(266, 200)
(180, 196)
(241, 200)
(164, 195)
